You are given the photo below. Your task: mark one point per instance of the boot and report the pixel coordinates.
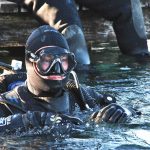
(130, 30)
(128, 23)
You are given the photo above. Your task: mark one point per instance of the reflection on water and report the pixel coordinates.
(123, 77)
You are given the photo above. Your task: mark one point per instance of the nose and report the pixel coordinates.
(57, 68)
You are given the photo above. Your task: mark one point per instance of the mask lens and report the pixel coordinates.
(45, 62)
(64, 61)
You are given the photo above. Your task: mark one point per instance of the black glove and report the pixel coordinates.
(106, 100)
(33, 119)
(112, 113)
(62, 118)
(40, 119)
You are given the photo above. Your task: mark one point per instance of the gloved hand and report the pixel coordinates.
(33, 119)
(106, 100)
(61, 118)
(112, 113)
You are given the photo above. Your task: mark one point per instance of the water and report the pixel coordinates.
(121, 76)
(124, 77)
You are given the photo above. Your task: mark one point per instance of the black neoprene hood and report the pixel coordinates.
(45, 36)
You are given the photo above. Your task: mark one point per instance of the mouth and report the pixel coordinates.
(55, 77)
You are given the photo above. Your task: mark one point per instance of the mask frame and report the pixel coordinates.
(57, 52)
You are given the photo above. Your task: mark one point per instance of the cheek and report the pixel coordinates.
(45, 66)
(65, 65)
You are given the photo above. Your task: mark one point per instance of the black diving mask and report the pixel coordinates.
(52, 60)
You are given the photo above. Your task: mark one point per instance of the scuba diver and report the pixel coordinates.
(49, 92)
(126, 15)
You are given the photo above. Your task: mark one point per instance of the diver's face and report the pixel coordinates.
(51, 67)
(44, 87)
(54, 67)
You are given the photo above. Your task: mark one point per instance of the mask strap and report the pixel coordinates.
(31, 56)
